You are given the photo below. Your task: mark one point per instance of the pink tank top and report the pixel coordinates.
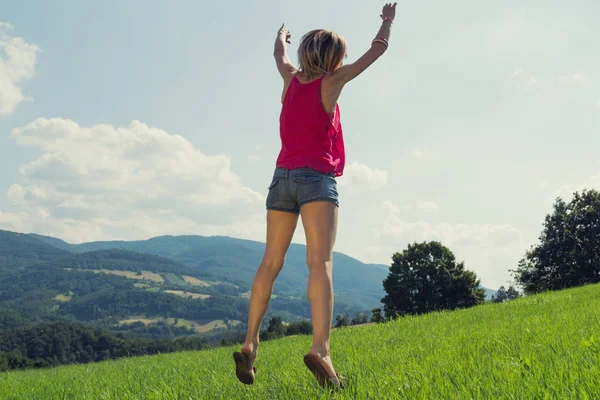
(310, 136)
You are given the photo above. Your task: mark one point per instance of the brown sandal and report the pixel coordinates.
(319, 372)
(242, 368)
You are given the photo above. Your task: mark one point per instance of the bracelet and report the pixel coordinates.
(388, 19)
(381, 40)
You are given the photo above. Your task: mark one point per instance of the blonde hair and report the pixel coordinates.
(321, 51)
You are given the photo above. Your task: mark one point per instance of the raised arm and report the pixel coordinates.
(284, 65)
(347, 72)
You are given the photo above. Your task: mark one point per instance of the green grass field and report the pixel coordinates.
(542, 347)
(173, 279)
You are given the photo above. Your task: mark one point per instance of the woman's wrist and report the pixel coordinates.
(283, 37)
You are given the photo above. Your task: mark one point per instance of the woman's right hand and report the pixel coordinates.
(389, 11)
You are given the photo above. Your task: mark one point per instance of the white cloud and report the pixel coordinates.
(16, 194)
(532, 81)
(428, 206)
(488, 250)
(361, 177)
(417, 153)
(390, 207)
(574, 79)
(519, 76)
(517, 72)
(566, 191)
(464, 234)
(17, 63)
(104, 182)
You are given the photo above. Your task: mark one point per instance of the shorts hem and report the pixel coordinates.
(328, 199)
(293, 211)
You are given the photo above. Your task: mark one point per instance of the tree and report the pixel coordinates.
(303, 327)
(359, 318)
(377, 315)
(426, 277)
(4, 362)
(504, 294)
(500, 295)
(276, 328)
(512, 293)
(341, 320)
(568, 254)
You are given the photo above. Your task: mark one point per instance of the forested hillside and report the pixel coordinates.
(358, 286)
(150, 295)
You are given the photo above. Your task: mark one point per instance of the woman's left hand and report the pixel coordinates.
(283, 31)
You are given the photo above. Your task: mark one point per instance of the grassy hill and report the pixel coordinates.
(540, 347)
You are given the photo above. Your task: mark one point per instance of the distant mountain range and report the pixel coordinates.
(236, 260)
(172, 284)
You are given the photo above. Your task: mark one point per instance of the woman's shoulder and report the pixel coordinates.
(334, 78)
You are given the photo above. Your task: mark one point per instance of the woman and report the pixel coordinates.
(312, 155)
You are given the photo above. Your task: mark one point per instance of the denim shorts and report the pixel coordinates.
(291, 188)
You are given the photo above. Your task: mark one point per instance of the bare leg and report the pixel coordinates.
(280, 229)
(320, 225)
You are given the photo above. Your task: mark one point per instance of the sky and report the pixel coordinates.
(133, 119)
